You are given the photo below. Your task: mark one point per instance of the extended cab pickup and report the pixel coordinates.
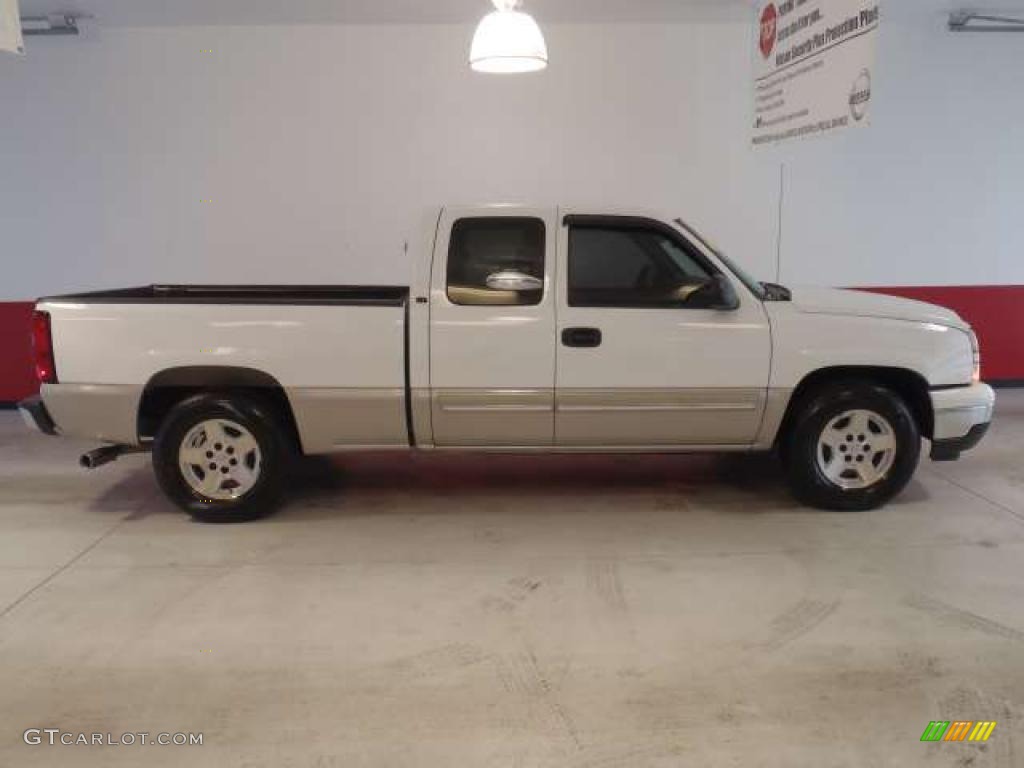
(526, 329)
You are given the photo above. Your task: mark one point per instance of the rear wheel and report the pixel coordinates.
(851, 446)
(221, 458)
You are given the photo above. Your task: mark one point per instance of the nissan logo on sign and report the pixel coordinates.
(860, 95)
(769, 25)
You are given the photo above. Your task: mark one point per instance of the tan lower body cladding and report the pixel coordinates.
(658, 417)
(596, 417)
(330, 420)
(349, 419)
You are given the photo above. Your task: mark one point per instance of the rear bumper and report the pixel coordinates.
(35, 415)
(962, 417)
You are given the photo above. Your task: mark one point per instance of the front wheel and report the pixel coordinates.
(221, 458)
(851, 446)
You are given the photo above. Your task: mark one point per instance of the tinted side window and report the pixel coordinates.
(632, 267)
(499, 247)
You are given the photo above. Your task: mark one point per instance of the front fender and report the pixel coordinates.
(803, 343)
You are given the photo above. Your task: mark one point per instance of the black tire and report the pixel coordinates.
(822, 410)
(271, 466)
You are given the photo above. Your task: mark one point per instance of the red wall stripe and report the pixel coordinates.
(995, 311)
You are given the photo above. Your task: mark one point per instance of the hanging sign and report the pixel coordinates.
(813, 68)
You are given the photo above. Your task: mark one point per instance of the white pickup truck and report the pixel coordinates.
(525, 329)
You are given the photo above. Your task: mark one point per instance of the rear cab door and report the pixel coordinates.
(492, 327)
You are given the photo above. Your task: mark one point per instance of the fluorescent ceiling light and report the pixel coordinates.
(508, 41)
(56, 24)
(970, 21)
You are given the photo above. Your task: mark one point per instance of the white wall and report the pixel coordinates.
(932, 192)
(320, 146)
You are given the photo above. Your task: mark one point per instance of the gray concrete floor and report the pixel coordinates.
(508, 611)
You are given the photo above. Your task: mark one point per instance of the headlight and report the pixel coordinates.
(976, 353)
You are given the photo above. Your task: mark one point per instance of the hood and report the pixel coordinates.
(831, 301)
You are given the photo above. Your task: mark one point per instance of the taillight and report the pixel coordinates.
(42, 348)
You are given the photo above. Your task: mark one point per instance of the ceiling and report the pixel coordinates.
(131, 13)
(203, 12)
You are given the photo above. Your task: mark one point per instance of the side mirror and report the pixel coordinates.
(510, 280)
(720, 294)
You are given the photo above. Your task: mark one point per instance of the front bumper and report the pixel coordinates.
(962, 417)
(35, 415)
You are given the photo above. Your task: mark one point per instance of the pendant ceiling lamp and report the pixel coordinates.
(508, 41)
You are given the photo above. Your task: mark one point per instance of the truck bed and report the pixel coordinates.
(339, 353)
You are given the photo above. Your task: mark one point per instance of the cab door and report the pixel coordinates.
(644, 357)
(492, 328)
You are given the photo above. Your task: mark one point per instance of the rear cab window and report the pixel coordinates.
(496, 261)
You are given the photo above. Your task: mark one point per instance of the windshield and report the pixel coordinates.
(753, 285)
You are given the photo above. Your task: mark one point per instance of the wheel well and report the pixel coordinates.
(909, 385)
(168, 388)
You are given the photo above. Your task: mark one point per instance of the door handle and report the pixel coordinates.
(586, 338)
